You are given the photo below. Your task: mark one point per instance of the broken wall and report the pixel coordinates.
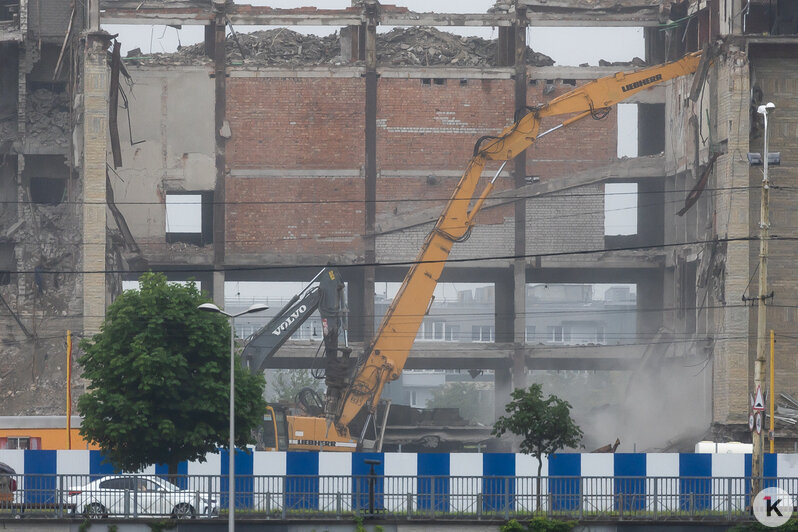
(41, 287)
(729, 82)
(171, 150)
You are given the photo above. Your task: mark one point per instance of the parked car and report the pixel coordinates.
(129, 495)
(8, 484)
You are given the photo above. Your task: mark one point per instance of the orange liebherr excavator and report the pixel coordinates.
(385, 358)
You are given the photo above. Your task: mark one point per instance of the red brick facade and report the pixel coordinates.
(316, 124)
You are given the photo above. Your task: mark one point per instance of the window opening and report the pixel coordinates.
(556, 334)
(627, 130)
(189, 217)
(7, 262)
(47, 178)
(620, 209)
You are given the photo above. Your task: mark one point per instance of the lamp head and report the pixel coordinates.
(763, 109)
(209, 307)
(257, 307)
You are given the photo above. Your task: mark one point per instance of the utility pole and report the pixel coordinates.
(757, 469)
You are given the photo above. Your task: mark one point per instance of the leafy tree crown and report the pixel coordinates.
(544, 424)
(159, 379)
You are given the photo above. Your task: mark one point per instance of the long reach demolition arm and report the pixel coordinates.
(384, 360)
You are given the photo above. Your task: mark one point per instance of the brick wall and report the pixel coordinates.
(296, 122)
(434, 127)
(425, 137)
(314, 215)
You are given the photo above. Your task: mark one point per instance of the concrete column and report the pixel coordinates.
(503, 387)
(95, 148)
(519, 250)
(217, 289)
(217, 31)
(649, 300)
(370, 251)
(357, 316)
(504, 308)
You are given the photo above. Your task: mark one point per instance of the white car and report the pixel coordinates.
(136, 495)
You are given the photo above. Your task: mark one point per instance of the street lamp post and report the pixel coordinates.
(759, 362)
(210, 307)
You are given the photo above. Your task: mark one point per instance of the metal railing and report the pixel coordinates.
(404, 497)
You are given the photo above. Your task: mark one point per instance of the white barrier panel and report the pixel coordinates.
(268, 469)
(463, 491)
(526, 485)
(727, 465)
(336, 489)
(666, 489)
(597, 493)
(404, 466)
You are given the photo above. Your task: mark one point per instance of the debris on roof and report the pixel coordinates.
(425, 46)
(636, 62)
(413, 46)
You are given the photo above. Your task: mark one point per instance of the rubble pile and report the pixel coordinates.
(414, 46)
(47, 117)
(425, 46)
(279, 46)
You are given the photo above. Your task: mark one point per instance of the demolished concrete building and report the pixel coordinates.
(306, 150)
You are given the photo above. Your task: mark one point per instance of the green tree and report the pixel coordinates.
(544, 425)
(466, 397)
(159, 379)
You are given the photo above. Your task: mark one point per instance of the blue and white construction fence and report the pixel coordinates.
(449, 482)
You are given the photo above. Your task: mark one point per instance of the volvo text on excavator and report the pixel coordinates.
(351, 390)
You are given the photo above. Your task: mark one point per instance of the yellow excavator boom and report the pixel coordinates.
(388, 353)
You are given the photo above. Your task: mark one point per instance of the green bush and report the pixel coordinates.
(539, 524)
(789, 526)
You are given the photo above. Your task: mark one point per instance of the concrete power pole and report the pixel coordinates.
(757, 468)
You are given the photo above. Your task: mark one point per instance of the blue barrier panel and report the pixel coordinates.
(162, 470)
(360, 481)
(695, 482)
(497, 468)
(301, 481)
(433, 478)
(632, 491)
(565, 490)
(99, 466)
(243, 479)
(40, 479)
(769, 472)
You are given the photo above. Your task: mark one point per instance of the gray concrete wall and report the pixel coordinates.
(172, 112)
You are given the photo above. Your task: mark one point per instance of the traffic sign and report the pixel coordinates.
(758, 422)
(751, 422)
(759, 401)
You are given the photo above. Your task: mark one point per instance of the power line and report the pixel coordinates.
(540, 195)
(412, 262)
